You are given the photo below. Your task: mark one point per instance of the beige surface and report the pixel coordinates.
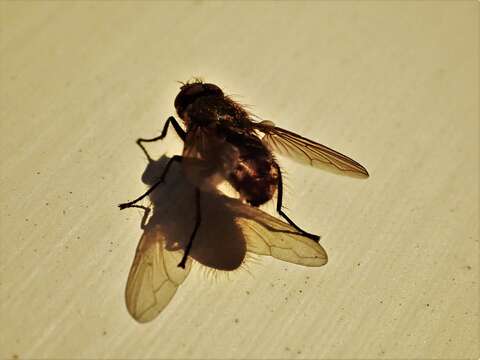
(393, 85)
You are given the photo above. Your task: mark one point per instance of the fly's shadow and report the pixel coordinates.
(228, 230)
(219, 242)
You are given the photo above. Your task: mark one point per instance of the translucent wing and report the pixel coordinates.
(207, 157)
(267, 235)
(301, 149)
(154, 276)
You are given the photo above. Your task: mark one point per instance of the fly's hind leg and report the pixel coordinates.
(198, 220)
(314, 237)
(178, 129)
(161, 180)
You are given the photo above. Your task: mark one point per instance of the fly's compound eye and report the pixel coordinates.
(191, 92)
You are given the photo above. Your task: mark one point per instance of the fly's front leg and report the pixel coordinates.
(178, 129)
(314, 237)
(198, 220)
(177, 158)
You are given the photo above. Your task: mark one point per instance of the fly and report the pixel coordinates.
(222, 142)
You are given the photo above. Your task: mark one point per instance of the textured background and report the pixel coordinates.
(394, 85)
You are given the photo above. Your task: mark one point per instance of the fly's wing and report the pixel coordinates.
(196, 143)
(309, 152)
(267, 235)
(207, 157)
(154, 277)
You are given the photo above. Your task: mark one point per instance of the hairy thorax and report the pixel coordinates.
(234, 150)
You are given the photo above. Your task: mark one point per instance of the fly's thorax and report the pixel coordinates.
(208, 110)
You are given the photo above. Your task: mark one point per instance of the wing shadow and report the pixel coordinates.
(229, 229)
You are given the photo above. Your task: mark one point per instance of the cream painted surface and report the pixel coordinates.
(394, 85)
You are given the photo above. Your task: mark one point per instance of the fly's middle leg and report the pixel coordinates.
(177, 158)
(198, 220)
(314, 237)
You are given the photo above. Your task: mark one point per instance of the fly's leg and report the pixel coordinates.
(178, 129)
(198, 220)
(181, 133)
(161, 180)
(314, 237)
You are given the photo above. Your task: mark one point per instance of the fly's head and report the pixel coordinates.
(190, 92)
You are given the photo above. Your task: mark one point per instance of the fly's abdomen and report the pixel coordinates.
(255, 179)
